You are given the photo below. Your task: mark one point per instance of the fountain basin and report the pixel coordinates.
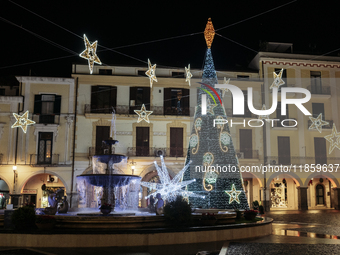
(108, 180)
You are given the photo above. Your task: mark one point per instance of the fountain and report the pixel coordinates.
(108, 183)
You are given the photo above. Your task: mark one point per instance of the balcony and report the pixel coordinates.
(156, 152)
(297, 161)
(44, 160)
(319, 90)
(329, 126)
(46, 119)
(157, 110)
(247, 154)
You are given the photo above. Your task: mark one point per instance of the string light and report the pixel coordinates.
(317, 123)
(224, 90)
(143, 114)
(151, 73)
(90, 53)
(22, 121)
(209, 33)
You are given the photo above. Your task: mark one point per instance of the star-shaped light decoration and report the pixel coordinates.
(210, 107)
(277, 80)
(233, 194)
(263, 117)
(224, 90)
(143, 114)
(151, 73)
(334, 139)
(188, 74)
(90, 53)
(22, 121)
(317, 123)
(170, 188)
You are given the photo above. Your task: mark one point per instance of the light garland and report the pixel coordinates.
(277, 80)
(334, 139)
(317, 123)
(233, 194)
(22, 121)
(188, 75)
(143, 114)
(90, 53)
(170, 189)
(151, 73)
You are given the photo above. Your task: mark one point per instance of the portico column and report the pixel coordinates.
(265, 203)
(336, 198)
(302, 198)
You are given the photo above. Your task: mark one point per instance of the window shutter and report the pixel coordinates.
(113, 99)
(146, 97)
(37, 104)
(57, 105)
(94, 92)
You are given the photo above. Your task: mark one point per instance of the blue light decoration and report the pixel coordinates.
(214, 163)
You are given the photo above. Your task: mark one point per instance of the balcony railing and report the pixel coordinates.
(156, 152)
(288, 123)
(329, 126)
(43, 159)
(157, 110)
(46, 118)
(297, 161)
(247, 154)
(319, 90)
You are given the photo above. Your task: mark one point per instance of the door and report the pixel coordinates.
(142, 141)
(45, 148)
(320, 150)
(320, 199)
(284, 150)
(176, 142)
(102, 133)
(246, 143)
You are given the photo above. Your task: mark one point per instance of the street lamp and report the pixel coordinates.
(132, 163)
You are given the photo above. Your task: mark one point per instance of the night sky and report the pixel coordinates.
(312, 28)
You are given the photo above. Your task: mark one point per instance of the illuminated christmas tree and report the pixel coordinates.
(214, 163)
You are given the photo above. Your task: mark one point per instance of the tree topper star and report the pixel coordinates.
(143, 114)
(317, 123)
(334, 139)
(233, 194)
(22, 121)
(90, 53)
(188, 74)
(277, 80)
(151, 73)
(170, 188)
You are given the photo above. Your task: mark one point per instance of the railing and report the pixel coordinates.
(247, 154)
(297, 161)
(329, 126)
(157, 110)
(46, 118)
(319, 90)
(156, 152)
(287, 123)
(43, 159)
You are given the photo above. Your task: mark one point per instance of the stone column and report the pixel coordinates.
(266, 203)
(336, 198)
(302, 198)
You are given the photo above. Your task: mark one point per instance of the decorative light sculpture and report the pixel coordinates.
(209, 33)
(22, 121)
(233, 194)
(265, 117)
(224, 90)
(90, 53)
(143, 114)
(151, 73)
(277, 80)
(317, 123)
(334, 139)
(188, 74)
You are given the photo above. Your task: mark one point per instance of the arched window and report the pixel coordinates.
(319, 194)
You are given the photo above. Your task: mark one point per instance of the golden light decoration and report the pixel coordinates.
(317, 123)
(233, 194)
(90, 53)
(277, 80)
(224, 90)
(151, 73)
(261, 117)
(334, 139)
(209, 33)
(143, 114)
(22, 121)
(188, 74)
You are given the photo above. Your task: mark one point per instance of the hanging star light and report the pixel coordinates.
(233, 194)
(317, 123)
(188, 74)
(334, 139)
(210, 107)
(277, 80)
(224, 90)
(170, 188)
(22, 121)
(151, 73)
(143, 114)
(265, 117)
(90, 53)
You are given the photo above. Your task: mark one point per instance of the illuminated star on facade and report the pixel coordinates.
(317, 123)
(143, 114)
(265, 117)
(151, 73)
(188, 74)
(233, 194)
(277, 80)
(22, 121)
(170, 188)
(90, 53)
(334, 139)
(210, 107)
(224, 90)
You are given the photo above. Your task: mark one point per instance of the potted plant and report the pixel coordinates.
(261, 209)
(105, 208)
(177, 213)
(250, 214)
(23, 218)
(208, 219)
(256, 205)
(45, 222)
